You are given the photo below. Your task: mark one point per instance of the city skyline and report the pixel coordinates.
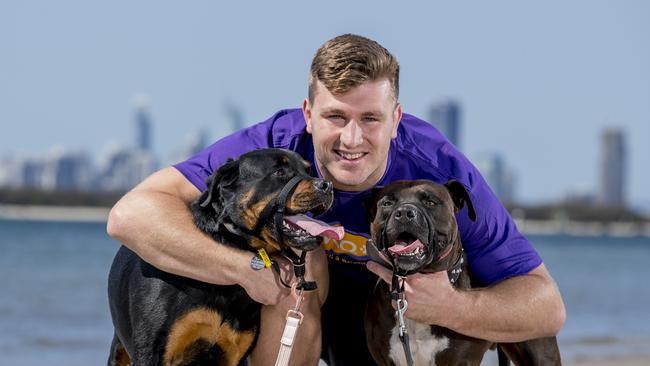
(540, 95)
(121, 167)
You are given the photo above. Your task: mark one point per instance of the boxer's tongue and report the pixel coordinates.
(316, 227)
(401, 249)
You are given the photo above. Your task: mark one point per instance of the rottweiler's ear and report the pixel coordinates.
(225, 176)
(370, 203)
(460, 197)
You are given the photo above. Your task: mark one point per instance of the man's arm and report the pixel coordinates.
(519, 308)
(154, 221)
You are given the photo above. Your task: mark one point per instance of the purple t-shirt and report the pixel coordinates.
(495, 248)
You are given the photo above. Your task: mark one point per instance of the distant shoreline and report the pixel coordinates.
(54, 213)
(619, 229)
(534, 227)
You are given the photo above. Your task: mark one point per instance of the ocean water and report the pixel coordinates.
(53, 303)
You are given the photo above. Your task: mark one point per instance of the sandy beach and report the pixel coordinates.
(632, 360)
(54, 213)
(614, 361)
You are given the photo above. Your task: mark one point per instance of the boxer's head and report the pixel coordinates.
(413, 222)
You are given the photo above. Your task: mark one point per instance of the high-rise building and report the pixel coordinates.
(142, 121)
(497, 174)
(123, 168)
(235, 117)
(612, 168)
(445, 116)
(66, 170)
(21, 172)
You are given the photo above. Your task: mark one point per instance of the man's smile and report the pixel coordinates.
(350, 156)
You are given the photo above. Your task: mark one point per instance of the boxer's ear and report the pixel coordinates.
(370, 203)
(460, 197)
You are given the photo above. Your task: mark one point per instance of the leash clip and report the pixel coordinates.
(402, 305)
(397, 294)
(297, 294)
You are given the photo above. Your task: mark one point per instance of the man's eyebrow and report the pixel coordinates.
(332, 110)
(372, 114)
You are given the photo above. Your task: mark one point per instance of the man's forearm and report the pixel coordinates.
(159, 228)
(517, 309)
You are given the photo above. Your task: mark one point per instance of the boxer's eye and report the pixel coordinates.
(386, 203)
(430, 202)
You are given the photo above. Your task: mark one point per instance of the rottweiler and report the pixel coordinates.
(259, 201)
(414, 229)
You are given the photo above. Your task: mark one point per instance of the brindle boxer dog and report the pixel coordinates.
(164, 319)
(414, 229)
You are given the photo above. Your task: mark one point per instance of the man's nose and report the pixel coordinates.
(351, 135)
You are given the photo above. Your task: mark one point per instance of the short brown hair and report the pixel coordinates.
(348, 61)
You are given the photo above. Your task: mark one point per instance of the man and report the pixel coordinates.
(351, 128)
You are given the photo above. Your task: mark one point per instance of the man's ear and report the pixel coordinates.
(370, 203)
(306, 113)
(225, 176)
(397, 116)
(460, 197)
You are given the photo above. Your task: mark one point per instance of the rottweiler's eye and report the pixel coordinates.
(279, 173)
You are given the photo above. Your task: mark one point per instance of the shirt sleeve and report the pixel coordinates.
(495, 249)
(200, 166)
(280, 131)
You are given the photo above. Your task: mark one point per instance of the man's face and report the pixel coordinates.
(352, 133)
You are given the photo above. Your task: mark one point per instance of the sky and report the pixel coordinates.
(537, 82)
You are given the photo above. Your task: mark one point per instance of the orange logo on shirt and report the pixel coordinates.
(351, 244)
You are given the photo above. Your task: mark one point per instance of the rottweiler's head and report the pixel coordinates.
(413, 223)
(233, 209)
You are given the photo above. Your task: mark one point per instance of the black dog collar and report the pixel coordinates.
(376, 256)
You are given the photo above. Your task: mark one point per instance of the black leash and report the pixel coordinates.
(397, 294)
(502, 357)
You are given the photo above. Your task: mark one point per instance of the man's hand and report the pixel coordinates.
(306, 350)
(430, 296)
(264, 285)
(516, 309)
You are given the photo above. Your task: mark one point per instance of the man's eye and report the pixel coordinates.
(279, 173)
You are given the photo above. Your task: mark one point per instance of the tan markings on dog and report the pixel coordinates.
(251, 213)
(270, 241)
(121, 357)
(244, 201)
(302, 196)
(205, 325)
(270, 246)
(235, 343)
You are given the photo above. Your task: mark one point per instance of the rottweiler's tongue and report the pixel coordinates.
(405, 249)
(316, 227)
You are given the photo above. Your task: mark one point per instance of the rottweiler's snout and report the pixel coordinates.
(406, 213)
(322, 185)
